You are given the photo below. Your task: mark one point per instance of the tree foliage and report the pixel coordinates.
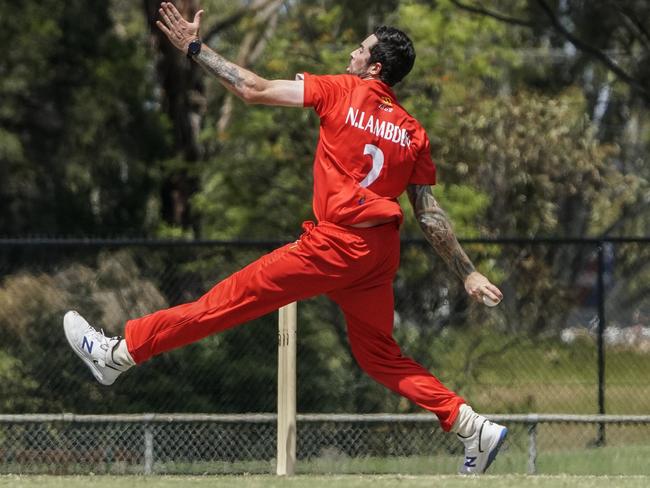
(78, 132)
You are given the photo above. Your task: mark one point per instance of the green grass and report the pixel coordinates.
(339, 481)
(604, 461)
(629, 460)
(605, 467)
(548, 376)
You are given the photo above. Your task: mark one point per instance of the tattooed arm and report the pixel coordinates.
(248, 86)
(438, 231)
(243, 83)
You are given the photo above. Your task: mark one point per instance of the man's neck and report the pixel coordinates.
(369, 77)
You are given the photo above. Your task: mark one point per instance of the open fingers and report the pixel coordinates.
(174, 19)
(173, 11)
(170, 13)
(167, 19)
(163, 28)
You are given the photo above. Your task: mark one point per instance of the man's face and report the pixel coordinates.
(360, 57)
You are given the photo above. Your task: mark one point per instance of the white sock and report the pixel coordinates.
(465, 423)
(122, 356)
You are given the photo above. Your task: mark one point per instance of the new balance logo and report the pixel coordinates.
(470, 462)
(87, 345)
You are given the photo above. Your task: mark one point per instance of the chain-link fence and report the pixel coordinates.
(225, 444)
(572, 336)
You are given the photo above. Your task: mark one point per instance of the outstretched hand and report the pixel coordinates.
(478, 286)
(179, 31)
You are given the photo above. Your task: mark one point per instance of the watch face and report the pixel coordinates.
(194, 48)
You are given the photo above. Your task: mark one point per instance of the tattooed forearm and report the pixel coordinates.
(238, 80)
(437, 230)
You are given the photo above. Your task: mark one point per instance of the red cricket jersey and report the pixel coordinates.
(368, 151)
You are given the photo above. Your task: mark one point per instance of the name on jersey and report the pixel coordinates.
(381, 128)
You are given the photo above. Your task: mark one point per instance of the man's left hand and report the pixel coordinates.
(179, 31)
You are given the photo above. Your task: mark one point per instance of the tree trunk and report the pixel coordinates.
(183, 98)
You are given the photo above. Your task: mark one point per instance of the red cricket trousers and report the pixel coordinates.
(354, 267)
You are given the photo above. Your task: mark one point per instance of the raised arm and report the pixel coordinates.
(245, 84)
(248, 86)
(438, 231)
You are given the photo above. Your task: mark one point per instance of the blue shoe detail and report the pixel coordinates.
(470, 461)
(495, 451)
(88, 345)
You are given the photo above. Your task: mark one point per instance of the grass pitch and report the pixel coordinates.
(348, 481)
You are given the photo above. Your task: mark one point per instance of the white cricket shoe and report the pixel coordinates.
(482, 446)
(93, 347)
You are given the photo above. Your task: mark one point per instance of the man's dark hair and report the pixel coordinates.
(394, 50)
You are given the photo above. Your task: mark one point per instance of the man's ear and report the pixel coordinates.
(375, 69)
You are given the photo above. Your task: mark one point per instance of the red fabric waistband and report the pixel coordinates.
(308, 226)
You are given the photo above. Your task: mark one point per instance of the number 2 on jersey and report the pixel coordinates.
(377, 156)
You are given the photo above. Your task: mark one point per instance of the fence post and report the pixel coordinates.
(148, 449)
(532, 448)
(286, 448)
(600, 294)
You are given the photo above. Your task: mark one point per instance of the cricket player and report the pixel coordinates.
(370, 150)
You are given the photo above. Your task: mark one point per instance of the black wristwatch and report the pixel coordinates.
(194, 48)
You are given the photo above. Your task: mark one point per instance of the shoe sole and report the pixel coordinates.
(493, 453)
(98, 376)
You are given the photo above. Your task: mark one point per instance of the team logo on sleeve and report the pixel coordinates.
(386, 104)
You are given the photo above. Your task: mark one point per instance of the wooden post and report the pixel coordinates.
(286, 448)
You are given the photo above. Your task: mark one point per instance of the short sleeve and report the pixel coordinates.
(324, 92)
(424, 170)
